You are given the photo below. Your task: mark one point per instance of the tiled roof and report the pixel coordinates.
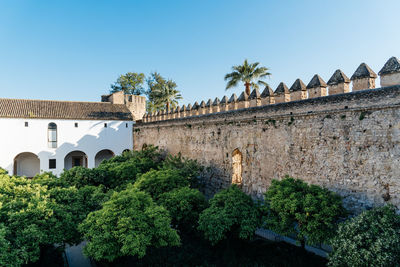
(48, 109)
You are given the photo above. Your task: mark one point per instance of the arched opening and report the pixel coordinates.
(52, 135)
(103, 155)
(74, 159)
(237, 167)
(125, 151)
(26, 164)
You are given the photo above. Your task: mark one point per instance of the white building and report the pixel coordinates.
(40, 135)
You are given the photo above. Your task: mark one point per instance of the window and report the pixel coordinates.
(26, 124)
(76, 125)
(126, 125)
(52, 164)
(52, 135)
(105, 125)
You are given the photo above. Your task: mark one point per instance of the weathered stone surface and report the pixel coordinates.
(243, 97)
(267, 91)
(338, 77)
(363, 71)
(281, 89)
(349, 143)
(224, 100)
(255, 94)
(233, 99)
(298, 85)
(391, 66)
(316, 81)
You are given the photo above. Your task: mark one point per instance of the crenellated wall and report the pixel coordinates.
(348, 142)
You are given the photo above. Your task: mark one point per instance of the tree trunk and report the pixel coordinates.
(167, 106)
(247, 85)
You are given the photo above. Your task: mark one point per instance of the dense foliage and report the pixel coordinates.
(231, 213)
(127, 225)
(370, 239)
(185, 205)
(308, 212)
(129, 83)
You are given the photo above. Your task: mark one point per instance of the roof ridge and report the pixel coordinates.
(66, 101)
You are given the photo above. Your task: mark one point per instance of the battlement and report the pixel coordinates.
(135, 103)
(362, 79)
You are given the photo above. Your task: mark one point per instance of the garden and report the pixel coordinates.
(145, 208)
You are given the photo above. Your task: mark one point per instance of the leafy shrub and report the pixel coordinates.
(308, 212)
(185, 205)
(370, 239)
(231, 213)
(24, 213)
(187, 167)
(127, 225)
(3, 171)
(158, 182)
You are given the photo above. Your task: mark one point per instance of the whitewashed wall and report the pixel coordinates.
(89, 137)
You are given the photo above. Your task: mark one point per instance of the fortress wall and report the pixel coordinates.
(349, 143)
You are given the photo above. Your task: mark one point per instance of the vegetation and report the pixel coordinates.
(162, 93)
(308, 212)
(129, 83)
(248, 73)
(232, 213)
(127, 225)
(370, 239)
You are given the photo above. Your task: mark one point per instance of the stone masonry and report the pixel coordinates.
(346, 142)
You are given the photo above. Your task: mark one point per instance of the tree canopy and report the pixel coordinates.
(129, 83)
(127, 225)
(248, 73)
(309, 212)
(369, 239)
(162, 93)
(231, 213)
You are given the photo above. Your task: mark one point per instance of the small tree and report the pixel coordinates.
(370, 239)
(310, 213)
(248, 73)
(158, 182)
(162, 93)
(232, 213)
(127, 225)
(185, 205)
(129, 83)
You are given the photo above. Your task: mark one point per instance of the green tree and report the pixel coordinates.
(232, 213)
(309, 212)
(129, 83)
(370, 239)
(127, 225)
(248, 73)
(162, 93)
(185, 205)
(157, 182)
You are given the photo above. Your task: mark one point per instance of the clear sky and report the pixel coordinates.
(74, 50)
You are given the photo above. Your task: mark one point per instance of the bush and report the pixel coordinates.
(3, 171)
(370, 239)
(232, 213)
(158, 182)
(185, 205)
(127, 225)
(308, 212)
(187, 167)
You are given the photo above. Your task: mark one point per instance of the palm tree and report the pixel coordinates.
(162, 92)
(250, 74)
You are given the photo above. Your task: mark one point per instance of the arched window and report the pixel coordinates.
(52, 135)
(237, 168)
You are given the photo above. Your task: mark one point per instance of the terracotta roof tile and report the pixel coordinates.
(49, 109)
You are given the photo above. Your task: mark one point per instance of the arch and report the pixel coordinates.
(103, 155)
(26, 164)
(237, 167)
(74, 159)
(52, 135)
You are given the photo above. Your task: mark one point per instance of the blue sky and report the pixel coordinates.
(74, 50)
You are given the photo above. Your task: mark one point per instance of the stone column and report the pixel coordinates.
(267, 96)
(298, 91)
(215, 105)
(183, 111)
(390, 73)
(255, 98)
(189, 110)
(202, 108)
(339, 83)
(282, 93)
(317, 87)
(233, 102)
(195, 109)
(363, 78)
(243, 100)
(209, 108)
(224, 106)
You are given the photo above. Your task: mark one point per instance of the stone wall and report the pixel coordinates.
(348, 143)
